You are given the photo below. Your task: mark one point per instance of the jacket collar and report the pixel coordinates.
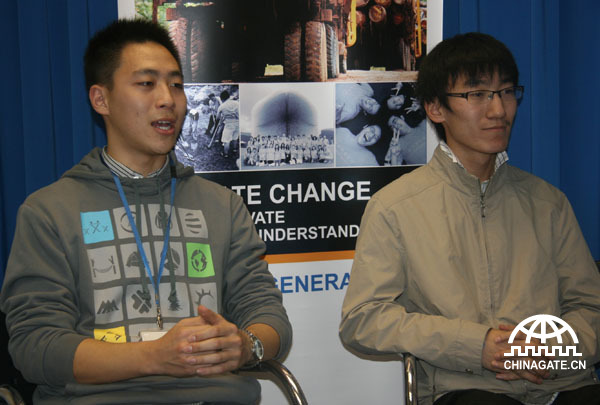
(457, 176)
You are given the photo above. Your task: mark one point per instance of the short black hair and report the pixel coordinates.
(103, 52)
(224, 95)
(471, 55)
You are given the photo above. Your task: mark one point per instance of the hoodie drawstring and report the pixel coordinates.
(145, 293)
(170, 264)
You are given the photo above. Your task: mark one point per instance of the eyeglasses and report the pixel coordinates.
(482, 97)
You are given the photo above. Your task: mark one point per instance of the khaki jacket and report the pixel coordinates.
(438, 263)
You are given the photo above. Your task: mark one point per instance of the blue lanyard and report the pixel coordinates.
(138, 241)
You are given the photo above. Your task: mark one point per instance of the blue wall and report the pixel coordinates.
(47, 126)
(557, 131)
(45, 120)
(580, 115)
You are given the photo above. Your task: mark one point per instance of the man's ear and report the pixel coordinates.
(434, 111)
(98, 99)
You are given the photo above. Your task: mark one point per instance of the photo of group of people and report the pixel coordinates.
(281, 150)
(287, 125)
(379, 124)
(209, 139)
(255, 126)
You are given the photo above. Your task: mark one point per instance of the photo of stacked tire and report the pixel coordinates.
(391, 34)
(295, 40)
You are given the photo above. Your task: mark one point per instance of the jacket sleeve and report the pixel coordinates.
(39, 299)
(579, 284)
(374, 321)
(250, 292)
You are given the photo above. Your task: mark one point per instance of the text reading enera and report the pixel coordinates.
(312, 282)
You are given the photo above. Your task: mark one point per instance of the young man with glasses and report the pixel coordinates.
(453, 256)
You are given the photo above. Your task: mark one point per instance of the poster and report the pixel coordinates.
(306, 109)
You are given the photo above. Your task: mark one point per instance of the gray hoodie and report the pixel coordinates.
(75, 272)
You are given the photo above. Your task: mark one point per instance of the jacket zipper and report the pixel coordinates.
(482, 207)
(482, 204)
(482, 198)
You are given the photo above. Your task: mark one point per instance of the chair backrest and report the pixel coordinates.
(9, 375)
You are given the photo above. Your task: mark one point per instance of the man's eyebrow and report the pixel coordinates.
(484, 80)
(475, 81)
(175, 73)
(154, 72)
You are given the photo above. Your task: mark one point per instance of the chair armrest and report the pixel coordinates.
(286, 379)
(10, 395)
(410, 379)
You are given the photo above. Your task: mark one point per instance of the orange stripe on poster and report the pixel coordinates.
(310, 257)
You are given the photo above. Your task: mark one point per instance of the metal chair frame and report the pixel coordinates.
(410, 379)
(272, 368)
(282, 375)
(10, 396)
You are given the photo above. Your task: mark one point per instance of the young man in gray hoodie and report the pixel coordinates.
(130, 279)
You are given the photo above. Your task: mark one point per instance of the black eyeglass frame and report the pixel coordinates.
(465, 95)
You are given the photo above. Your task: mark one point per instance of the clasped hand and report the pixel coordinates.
(495, 357)
(203, 345)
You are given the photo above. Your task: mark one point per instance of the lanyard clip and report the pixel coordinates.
(159, 320)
